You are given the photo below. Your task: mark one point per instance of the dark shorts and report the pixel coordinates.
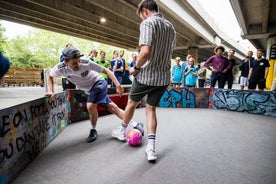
(253, 84)
(154, 93)
(98, 93)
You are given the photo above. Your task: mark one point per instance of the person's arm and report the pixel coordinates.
(119, 88)
(51, 83)
(207, 63)
(145, 52)
(229, 65)
(266, 72)
(250, 73)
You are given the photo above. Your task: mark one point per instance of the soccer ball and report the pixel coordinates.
(134, 137)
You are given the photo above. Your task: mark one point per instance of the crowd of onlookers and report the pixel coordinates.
(253, 71)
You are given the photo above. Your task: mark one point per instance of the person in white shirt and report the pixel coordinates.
(86, 76)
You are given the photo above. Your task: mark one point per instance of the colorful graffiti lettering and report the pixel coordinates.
(245, 101)
(25, 130)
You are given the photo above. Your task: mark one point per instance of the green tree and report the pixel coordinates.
(41, 48)
(3, 40)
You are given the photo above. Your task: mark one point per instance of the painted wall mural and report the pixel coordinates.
(26, 130)
(185, 98)
(77, 104)
(244, 101)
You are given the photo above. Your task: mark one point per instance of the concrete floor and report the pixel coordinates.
(195, 146)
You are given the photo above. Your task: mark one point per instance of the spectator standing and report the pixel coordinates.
(93, 55)
(177, 74)
(229, 74)
(201, 73)
(191, 73)
(117, 67)
(152, 71)
(121, 57)
(258, 72)
(244, 68)
(103, 63)
(219, 65)
(183, 66)
(132, 64)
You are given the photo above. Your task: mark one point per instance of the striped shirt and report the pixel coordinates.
(159, 34)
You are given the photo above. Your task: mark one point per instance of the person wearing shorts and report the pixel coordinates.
(152, 71)
(86, 76)
(244, 68)
(258, 72)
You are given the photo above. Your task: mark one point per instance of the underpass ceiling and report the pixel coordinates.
(257, 19)
(81, 18)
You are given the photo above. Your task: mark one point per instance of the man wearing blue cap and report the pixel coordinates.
(4, 66)
(86, 76)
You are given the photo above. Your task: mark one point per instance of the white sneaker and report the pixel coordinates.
(151, 154)
(119, 133)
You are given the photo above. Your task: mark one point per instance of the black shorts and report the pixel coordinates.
(253, 84)
(154, 93)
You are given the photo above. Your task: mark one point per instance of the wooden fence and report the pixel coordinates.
(18, 76)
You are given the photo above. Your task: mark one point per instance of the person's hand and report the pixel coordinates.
(133, 72)
(224, 71)
(119, 90)
(214, 70)
(51, 95)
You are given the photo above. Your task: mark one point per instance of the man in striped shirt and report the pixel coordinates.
(152, 70)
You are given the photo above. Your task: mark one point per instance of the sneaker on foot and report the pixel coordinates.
(92, 135)
(119, 133)
(151, 155)
(140, 127)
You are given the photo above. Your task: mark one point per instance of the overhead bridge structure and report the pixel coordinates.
(115, 22)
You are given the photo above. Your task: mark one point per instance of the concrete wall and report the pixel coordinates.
(254, 102)
(26, 130)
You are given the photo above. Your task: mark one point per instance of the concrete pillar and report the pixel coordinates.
(270, 41)
(271, 55)
(194, 52)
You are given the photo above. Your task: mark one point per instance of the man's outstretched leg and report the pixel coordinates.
(93, 116)
(120, 132)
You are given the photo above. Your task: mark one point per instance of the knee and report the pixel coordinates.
(150, 108)
(91, 107)
(112, 107)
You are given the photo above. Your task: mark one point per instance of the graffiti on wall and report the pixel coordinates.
(185, 98)
(26, 129)
(244, 101)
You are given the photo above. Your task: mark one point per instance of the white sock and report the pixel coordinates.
(151, 141)
(94, 127)
(123, 126)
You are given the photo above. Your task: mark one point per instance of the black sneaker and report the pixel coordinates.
(140, 127)
(92, 135)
